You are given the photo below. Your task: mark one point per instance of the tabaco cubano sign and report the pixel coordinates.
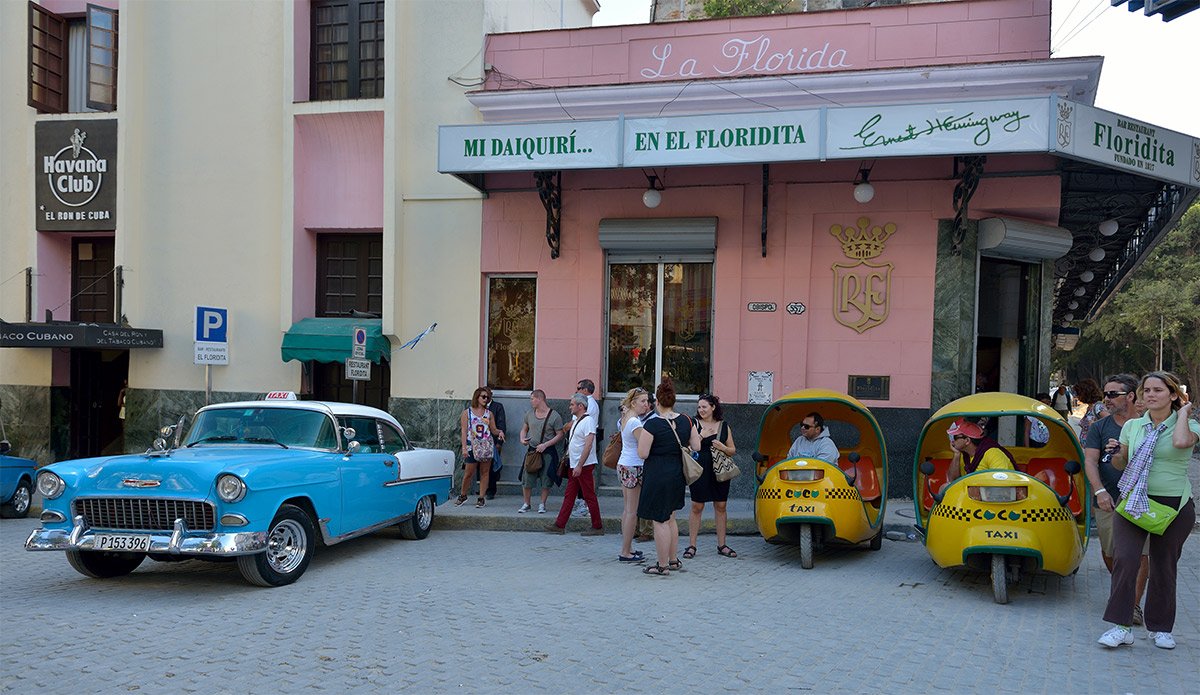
(528, 146)
(967, 127)
(78, 335)
(723, 139)
(774, 52)
(76, 175)
(1095, 135)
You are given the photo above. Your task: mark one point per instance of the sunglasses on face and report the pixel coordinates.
(1115, 394)
(959, 436)
(806, 426)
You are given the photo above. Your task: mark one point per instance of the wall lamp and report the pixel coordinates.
(652, 198)
(1109, 227)
(864, 192)
(1087, 276)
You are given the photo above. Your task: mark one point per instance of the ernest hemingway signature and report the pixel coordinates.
(1010, 122)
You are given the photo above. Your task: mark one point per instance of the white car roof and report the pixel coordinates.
(336, 409)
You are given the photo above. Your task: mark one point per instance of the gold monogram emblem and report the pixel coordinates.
(861, 290)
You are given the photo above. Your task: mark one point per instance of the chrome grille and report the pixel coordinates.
(144, 513)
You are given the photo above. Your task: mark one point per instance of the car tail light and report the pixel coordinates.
(989, 493)
(806, 475)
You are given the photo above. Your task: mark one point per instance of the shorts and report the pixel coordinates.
(630, 476)
(1104, 524)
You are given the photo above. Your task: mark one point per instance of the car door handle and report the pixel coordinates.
(389, 462)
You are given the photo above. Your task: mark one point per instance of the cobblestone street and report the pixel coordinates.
(480, 611)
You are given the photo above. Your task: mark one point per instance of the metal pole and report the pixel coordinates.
(208, 384)
(29, 294)
(1160, 342)
(354, 393)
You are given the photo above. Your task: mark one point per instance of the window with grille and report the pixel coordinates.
(347, 49)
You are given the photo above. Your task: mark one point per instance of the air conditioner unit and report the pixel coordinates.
(1003, 237)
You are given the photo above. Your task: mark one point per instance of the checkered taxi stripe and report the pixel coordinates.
(1040, 515)
(769, 493)
(842, 493)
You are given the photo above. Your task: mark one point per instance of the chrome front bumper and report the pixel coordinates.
(180, 541)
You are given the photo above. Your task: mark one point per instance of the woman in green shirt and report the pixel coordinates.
(1158, 449)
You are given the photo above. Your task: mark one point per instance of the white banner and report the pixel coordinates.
(959, 128)
(528, 146)
(1121, 142)
(779, 136)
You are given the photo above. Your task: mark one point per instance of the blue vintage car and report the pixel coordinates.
(16, 482)
(260, 481)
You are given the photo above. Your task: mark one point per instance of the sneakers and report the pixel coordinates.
(580, 509)
(1118, 635)
(459, 502)
(524, 508)
(551, 528)
(593, 532)
(1162, 640)
(541, 509)
(479, 503)
(1138, 618)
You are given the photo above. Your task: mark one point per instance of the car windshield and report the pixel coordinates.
(286, 427)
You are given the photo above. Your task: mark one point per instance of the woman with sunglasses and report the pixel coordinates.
(479, 437)
(1154, 452)
(634, 407)
(714, 434)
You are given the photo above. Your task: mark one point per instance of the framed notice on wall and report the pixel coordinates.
(760, 387)
(870, 388)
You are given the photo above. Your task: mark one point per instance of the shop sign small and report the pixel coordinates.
(796, 308)
(762, 307)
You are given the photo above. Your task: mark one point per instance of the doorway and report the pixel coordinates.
(329, 383)
(98, 379)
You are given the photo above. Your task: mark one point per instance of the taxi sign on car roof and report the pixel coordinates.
(281, 396)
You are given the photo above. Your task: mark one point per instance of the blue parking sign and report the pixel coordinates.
(212, 324)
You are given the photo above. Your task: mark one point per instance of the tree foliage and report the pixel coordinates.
(744, 8)
(1164, 293)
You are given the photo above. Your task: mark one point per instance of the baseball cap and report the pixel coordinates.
(966, 428)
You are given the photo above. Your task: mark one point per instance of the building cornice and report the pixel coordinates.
(1071, 78)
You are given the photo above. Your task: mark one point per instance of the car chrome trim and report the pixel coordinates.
(53, 516)
(394, 483)
(179, 542)
(232, 519)
(330, 540)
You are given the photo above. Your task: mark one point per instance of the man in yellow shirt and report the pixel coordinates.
(974, 451)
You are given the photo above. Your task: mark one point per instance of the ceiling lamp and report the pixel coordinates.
(1069, 317)
(864, 192)
(1087, 276)
(1080, 291)
(1096, 254)
(652, 198)
(1073, 305)
(1109, 227)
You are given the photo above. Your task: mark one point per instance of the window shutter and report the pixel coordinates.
(47, 60)
(101, 58)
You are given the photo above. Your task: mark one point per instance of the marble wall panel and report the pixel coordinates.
(147, 410)
(25, 414)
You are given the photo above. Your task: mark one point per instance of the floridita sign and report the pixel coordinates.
(901, 130)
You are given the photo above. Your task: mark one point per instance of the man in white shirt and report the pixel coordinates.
(587, 387)
(581, 452)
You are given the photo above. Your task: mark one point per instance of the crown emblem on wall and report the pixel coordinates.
(863, 241)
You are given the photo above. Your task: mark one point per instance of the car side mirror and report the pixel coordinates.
(854, 457)
(758, 457)
(5, 447)
(1071, 467)
(927, 467)
(353, 447)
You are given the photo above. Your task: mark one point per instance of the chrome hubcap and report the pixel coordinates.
(286, 546)
(424, 513)
(20, 500)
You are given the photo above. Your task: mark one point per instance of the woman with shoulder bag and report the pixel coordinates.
(629, 468)
(715, 435)
(659, 444)
(479, 437)
(547, 424)
(1155, 478)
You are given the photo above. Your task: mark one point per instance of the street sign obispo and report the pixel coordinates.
(358, 370)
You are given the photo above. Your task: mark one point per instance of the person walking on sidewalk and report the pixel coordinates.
(663, 434)
(581, 453)
(479, 437)
(714, 434)
(629, 468)
(544, 422)
(587, 387)
(1120, 393)
(1154, 452)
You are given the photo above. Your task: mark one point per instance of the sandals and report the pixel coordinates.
(630, 558)
(459, 502)
(656, 570)
(689, 552)
(675, 565)
(726, 551)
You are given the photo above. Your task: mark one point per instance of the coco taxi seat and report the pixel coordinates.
(1053, 472)
(934, 482)
(866, 480)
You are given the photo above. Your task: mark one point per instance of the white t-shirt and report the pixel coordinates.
(580, 429)
(629, 443)
(593, 409)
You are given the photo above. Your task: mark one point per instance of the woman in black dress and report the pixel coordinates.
(662, 483)
(714, 433)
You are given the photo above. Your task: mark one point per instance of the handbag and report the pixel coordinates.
(612, 450)
(692, 470)
(1156, 519)
(723, 466)
(533, 457)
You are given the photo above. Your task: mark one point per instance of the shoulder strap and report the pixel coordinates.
(542, 436)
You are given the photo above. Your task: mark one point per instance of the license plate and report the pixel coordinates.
(124, 542)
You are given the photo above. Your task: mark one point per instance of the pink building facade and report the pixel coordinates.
(689, 198)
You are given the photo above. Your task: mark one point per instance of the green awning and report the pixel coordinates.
(331, 340)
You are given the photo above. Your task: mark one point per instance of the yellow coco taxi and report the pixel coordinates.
(808, 501)
(1031, 516)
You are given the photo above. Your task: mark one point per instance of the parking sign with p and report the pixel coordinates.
(212, 335)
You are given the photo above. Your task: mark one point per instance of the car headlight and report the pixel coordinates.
(230, 488)
(50, 485)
